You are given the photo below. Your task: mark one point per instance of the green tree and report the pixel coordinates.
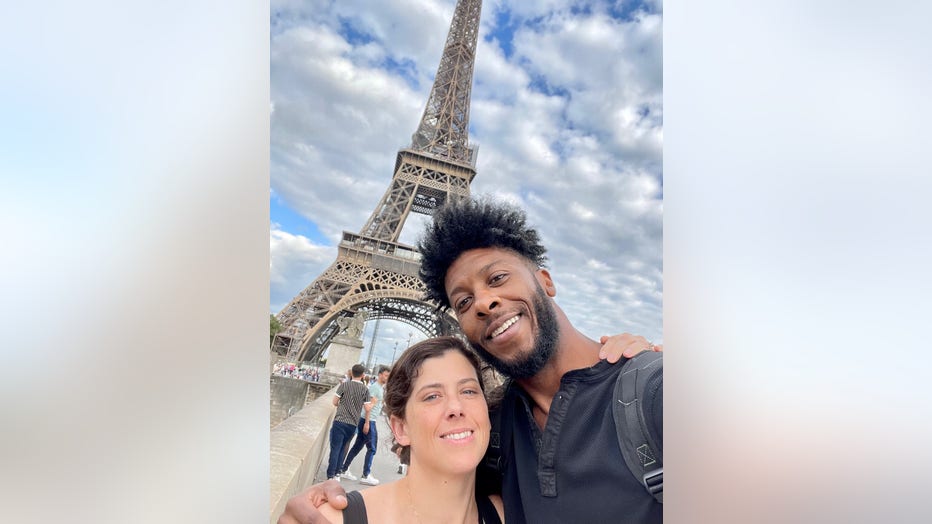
(274, 328)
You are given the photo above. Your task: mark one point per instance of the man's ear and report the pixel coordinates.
(400, 430)
(543, 277)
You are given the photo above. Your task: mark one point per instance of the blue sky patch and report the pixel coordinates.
(504, 31)
(578, 10)
(627, 10)
(406, 68)
(352, 34)
(292, 222)
(540, 84)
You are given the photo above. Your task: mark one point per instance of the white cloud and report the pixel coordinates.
(581, 212)
(294, 263)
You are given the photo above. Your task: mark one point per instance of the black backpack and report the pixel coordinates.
(643, 454)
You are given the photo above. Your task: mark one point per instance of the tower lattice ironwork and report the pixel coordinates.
(374, 274)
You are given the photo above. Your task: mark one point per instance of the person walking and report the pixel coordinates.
(367, 432)
(349, 400)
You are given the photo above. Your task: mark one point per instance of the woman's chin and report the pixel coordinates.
(462, 465)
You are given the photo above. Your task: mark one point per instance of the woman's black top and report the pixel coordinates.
(355, 512)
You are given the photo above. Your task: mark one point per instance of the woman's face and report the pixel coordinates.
(446, 417)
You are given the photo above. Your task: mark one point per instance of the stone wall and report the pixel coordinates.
(290, 395)
(297, 446)
(287, 397)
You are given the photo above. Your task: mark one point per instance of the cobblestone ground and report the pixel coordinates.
(384, 464)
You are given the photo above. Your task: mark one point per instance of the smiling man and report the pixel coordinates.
(560, 454)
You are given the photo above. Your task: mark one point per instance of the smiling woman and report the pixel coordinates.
(436, 406)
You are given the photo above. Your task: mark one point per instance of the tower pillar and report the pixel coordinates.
(346, 347)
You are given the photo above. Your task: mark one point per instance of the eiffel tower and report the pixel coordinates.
(374, 274)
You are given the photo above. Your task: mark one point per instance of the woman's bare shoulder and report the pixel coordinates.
(379, 496)
(499, 506)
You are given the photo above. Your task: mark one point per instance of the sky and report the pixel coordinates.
(566, 112)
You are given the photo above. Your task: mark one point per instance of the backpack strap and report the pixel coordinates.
(641, 452)
(493, 465)
(493, 455)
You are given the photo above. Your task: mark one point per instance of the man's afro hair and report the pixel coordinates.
(467, 224)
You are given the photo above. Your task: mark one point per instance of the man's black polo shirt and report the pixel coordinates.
(573, 471)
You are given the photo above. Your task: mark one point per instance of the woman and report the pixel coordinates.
(435, 403)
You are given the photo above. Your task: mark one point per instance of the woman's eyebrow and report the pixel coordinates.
(439, 385)
(428, 386)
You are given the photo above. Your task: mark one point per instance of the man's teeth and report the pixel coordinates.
(458, 436)
(501, 329)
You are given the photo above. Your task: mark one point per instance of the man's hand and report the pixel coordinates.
(624, 345)
(302, 508)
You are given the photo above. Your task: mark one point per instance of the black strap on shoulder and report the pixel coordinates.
(495, 458)
(493, 455)
(641, 452)
(355, 512)
(487, 512)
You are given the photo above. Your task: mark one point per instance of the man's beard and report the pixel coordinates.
(545, 343)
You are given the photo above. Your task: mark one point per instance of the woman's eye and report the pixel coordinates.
(432, 396)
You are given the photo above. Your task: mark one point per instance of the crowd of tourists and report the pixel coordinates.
(292, 371)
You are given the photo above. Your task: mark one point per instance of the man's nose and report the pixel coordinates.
(486, 301)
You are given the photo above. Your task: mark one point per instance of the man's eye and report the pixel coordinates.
(498, 277)
(462, 303)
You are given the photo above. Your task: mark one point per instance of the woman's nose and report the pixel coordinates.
(454, 407)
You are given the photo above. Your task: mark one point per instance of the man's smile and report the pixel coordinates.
(504, 326)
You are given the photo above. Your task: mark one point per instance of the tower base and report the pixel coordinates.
(343, 354)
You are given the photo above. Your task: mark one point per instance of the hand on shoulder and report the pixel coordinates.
(308, 506)
(625, 345)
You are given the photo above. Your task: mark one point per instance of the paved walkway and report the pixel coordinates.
(384, 464)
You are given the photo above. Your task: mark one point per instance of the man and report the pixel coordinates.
(560, 458)
(349, 400)
(367, 433)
